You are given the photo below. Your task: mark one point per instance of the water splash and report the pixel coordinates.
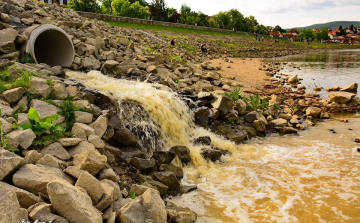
(165, 115)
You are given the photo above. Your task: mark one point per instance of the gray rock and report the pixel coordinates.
(177, 171)
(100, 125)
(82, 131)
(213, 154)
(109, 174)
(223, 104)
(237, 136)
(240, 107)
(69, 141)
(60, 91)
(182, 152)
(83, 117)
(56, 150)
(14, 95)
(73, 171)
(168, 178)
(43, 212)
(140, 189)
(81, 147)
(279, 122)
(40, 87)
(32, 157)
(143, 165)
(25, 198)
(91, 161)
(108, 198)
(91, 185)
(6, 127)
(9, 162)
(125, 137)
(23, 119)
(49, 160)
(96, 141)
(8, 37)
(163, 157)
(313, 111)
(259, 126)
(150, 182)
(34, 178)
(202, 116)
(10, 207)
(6, 110)
(350, 88)
(45, 109)
(341, 97)
(178, 214)
(72, 204)
(22, 138)
(91, 63)
(148, 207)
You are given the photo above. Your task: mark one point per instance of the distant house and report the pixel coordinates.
(333, 35)
(276, 34)
(316, 30)
(290, 35)
(58, 2)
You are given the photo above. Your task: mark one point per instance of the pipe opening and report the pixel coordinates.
(54, 48)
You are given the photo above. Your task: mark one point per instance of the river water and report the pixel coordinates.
(313, 177)
(310, 177)
(324, 69)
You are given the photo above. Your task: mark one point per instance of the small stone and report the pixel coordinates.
(32, 157)
(143, 165)
(14, 95)
(83, 117)
(49, 160)
(100, 125)
(69, 141)
(109, 174)
(96, 141)
(182, 152)
(91, 161)
(82, 131)
(313, 111)
(55, 149)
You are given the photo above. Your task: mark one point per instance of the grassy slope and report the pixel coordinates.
(218, 37)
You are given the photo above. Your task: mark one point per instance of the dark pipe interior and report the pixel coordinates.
(53, 48)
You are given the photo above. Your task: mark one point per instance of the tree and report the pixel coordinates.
(237, 20)
(159, 10)
(171, 11)
(185, 13)
(307, 34)
(278, 28)
(342, 32)
(251, 22)
(106, 6)
(84, 5)
(125, 8)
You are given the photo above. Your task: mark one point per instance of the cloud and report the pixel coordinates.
(304, 5)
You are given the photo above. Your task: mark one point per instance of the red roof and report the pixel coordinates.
(275, 33)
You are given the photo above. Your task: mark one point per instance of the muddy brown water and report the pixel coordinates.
(313, 177)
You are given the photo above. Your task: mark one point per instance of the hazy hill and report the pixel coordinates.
(332, 25)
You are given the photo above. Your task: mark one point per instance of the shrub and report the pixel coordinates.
(255, 103)
(236, 94)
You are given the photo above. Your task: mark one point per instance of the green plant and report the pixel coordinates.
(4, 139)
(45, 130)
(27, 59)
(236, 94)
(18, 110)
(275, 107)
(67, 110)
(24, 80)
(295, 110)
(175, 58)
(50, 82)
(187, 47)
(132, 195)
(233, 120)
(255, 103)
(5, 75)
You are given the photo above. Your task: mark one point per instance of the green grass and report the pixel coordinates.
(173, 29)
(326, 46)
(187, 47)
(175, 58)
(23, 80)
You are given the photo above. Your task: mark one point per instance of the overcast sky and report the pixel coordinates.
(286, 13)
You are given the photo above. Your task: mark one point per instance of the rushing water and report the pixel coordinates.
(314, 177)
(324, 69)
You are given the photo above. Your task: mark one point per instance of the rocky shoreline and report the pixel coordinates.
(67, 156)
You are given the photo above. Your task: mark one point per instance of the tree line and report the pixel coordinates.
(158, 10)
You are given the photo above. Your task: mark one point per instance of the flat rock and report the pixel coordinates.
(82, 131)
(91, 185)
(22, 138)
(34, 178)
(100, 125)
(81, 147)
(341, 97)
(40, 87)
(178, 214)
(69, 141)
(14, 95)
(313, 111)
(91, 161)
(182, 152)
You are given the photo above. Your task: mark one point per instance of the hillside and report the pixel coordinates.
(332, 25)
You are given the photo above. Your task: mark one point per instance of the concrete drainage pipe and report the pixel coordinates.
(51, 45)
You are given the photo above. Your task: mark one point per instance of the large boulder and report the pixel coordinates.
(240, 107)
(71, 203)
(150, 182)
(10, 207)
(223, 104)
(149, 207)
(9, 162)
(237, 136)
(202, 116)
(293, 79)
(25, 198)
(34, 178)
(82, 147)
(350, 88)
(341, 97)
(7, 41)
(213, 154)
(22, 138)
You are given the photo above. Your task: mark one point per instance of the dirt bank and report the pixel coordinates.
(244, 70)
